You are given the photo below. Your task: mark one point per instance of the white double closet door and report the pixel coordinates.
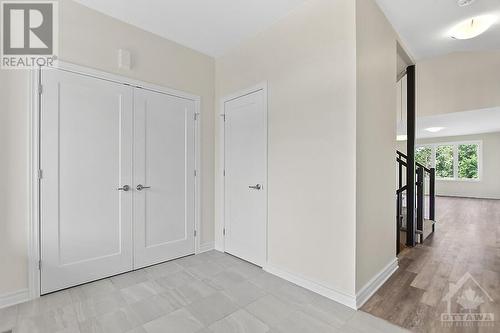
(118, 185)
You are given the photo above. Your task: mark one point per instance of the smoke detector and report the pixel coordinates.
(463, 3)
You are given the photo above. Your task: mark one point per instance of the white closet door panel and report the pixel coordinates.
(164, 161)
(86, 155)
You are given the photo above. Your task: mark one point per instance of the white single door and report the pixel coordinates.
(86, 156)
(245, 142)
(164, 166)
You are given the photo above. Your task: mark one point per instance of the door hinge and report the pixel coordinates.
(39, 265)
(195, 173)
(223, 116)
(224, 231)
(195, 233)
(39, 174)
(224, 172)
(40, 89)
(196, 115)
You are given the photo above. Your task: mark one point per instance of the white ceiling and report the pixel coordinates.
(460, 123)
(423, 25)
(209, 26)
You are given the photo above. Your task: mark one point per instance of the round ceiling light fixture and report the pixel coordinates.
(463, 3)
(472, 27)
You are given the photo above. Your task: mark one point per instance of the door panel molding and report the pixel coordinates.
(34, 112)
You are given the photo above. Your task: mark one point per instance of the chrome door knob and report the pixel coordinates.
(255, 187)
(124, 188)
(141, 187)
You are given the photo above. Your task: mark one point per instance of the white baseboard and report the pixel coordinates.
(206, 247)
(14, 298)
(375, 283)
(319, 288)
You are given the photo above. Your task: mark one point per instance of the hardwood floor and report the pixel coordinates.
(467, 240)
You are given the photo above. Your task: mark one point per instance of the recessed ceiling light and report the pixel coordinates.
(463, 3)
(434, 129)
(402, 137)
(472, 27)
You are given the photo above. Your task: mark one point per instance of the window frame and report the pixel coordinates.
(455, 144)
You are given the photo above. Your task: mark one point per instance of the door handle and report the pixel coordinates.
(255, 187)
(124, 188)
(141, 187)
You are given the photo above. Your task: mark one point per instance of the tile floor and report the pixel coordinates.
(209, 292)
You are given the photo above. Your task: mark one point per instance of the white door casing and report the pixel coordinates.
(164, 160)
(86, 155)
(245, 181)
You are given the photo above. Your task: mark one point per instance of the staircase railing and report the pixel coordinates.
(421, 173)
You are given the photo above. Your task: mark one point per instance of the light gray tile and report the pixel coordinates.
(246, 270)
(139, 329)
(239, 322)
(268, 281)
(228, 261)
(164, 269)
(54, 320)
(190, 261)
(363, 322)
(333, 313)
(138, 292)
(56, 300)
(299, 322)
(180, 321)
(294, 294)
(98, 289)
(30, 308)
(205, 270)
(119, 321)
(175, 280)
(212, 308)
(129, 279)
(225, 280)
(152, 308)
(270, 310)
(91, 308)
(175, 298)
(8, 318)
(244, 293)
(194, 291)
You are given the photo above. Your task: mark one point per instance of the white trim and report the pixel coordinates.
(34, 157)
(375, 283)
(220, 179)
(34, 164)
(206, 247)
(317, 287)
(14, 298)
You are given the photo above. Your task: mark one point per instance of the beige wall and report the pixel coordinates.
(458, 82)
(489, 185)
(375, 141)
(92, 39)
(308, 59)
(14, 207)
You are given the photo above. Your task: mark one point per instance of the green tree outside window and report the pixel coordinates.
(444, 162)
(423, 155)
(467, 161)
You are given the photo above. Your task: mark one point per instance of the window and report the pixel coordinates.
(453, 161)
(467, 161)
(444, 162)
(423, 155)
